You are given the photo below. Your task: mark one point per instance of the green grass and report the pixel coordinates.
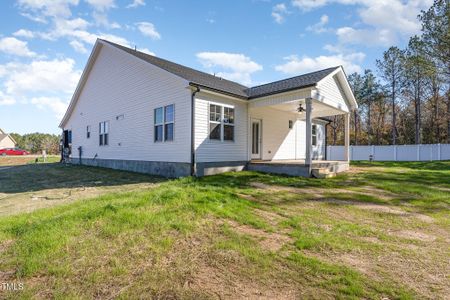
(191, 238)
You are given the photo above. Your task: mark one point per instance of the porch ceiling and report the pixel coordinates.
(319, 109)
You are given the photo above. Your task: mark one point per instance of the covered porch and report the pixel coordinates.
(288, 130)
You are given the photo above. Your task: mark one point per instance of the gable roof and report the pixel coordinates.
(297, 82)
(206, 80)
(4, 135)
(212, 82)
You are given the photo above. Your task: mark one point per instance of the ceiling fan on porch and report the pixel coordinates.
(300, 108)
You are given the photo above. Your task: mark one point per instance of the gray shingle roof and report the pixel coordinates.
(293, 83)
(226, 86)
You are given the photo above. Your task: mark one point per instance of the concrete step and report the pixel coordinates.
(322, 173)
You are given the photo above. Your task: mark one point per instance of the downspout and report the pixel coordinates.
(193, 130)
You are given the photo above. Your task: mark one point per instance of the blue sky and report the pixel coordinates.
(44, 44)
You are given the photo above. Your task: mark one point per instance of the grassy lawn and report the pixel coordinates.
(380, 230)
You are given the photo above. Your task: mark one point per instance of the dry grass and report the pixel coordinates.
(373, 233)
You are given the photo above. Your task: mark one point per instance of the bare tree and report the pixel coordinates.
(391, 70)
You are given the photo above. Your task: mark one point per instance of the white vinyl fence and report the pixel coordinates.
(427, 152)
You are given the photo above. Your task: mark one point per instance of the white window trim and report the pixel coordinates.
(163, 124)
(314, 135)
(106, 132)
(221, 123)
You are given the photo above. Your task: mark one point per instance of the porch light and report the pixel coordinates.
(300, 108)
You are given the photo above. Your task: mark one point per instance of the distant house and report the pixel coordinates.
(138, 112)
(6, 141)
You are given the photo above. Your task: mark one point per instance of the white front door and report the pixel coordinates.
(256, 138)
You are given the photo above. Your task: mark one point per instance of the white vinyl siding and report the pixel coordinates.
(281, 142)
(125, 90)
(331, 89)
(208, 150)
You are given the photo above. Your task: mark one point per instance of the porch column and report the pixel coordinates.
(308, 159)
(347, 137)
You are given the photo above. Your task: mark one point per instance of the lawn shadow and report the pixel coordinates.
(36, 177)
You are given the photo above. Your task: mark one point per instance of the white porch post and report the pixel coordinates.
(347, 137)
(308, 160)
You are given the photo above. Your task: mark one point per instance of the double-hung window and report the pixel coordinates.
(314, 134)
(164, 123)
(88, 132)
(103, 129)
(221, 123)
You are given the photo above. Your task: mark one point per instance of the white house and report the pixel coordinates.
(6, 141)
(138, 112)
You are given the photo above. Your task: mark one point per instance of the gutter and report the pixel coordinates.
(196, 85)
(193, 130)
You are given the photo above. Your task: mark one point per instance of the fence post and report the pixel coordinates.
(439, 151)
(418, 152)
(431, 152)
(395, 152)
(373, 152)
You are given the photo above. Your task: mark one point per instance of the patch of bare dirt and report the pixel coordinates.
(324, 196)
(270, 217)
(414, 235)
(224, 283)
(270, 241)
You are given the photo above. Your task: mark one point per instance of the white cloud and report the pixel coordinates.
(295, 65)
(309, 4)
(42, 83)
(319, 27)
(49, 8)
(50, 76)
(24, 33)
(279, 12)
(101, 5)
(13, 46)
(148, 29)
(383, 21)
(101, 19)
(6, 100)
(136, 3)
(370, 37)
(55, 104)
(241, 66)
(78, 46)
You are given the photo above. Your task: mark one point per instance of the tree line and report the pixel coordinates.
(36, 142)
(407, 99)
